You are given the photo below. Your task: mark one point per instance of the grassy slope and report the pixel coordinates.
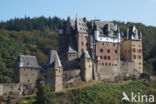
(105, 93)
(102, 92)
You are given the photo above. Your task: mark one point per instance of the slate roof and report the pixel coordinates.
(72, 45)
(86, 54)
(54, 60)
(133, 32)
(27, 61)
(81, 25)
(106, 28)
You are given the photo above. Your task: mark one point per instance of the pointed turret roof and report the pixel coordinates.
(54, 59)
(57, 62)
(85, 54)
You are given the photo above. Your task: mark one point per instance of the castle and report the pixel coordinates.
(88, 50)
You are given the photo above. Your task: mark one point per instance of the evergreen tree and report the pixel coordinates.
(45, 95)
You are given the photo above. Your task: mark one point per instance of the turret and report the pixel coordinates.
(54, 72)
(86, 67)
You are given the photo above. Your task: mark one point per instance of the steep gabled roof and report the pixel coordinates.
(85, 54)
(57, 62)
(27, 61)
(54, 60)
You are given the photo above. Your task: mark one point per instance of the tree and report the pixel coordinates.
(45, 95)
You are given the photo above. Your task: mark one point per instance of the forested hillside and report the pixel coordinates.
(37, 36)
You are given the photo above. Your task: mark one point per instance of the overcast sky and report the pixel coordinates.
(143, 11)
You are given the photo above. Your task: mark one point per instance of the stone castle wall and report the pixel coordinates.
(6, 88)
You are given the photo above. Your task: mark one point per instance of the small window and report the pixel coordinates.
(108, 57)
(134, 50)
(100, 57)
(101, 50)
(108, 50)
(134, 56)
(139, 57)
(105, 57)
(113, 44)
(86, 44)
(82, 43)
(109, 64)
(116, 51)
(106, 64)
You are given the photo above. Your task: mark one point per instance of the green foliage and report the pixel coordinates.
(37, 23)
(44, 95)
(110, 93)
(14, 43)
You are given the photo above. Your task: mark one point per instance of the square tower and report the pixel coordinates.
(131, 48)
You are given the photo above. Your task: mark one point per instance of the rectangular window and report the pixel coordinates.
(134, 56)
(82, 43)
(108, 50)
(106, 64)
(101, 50)
(100, 57)
(134, 50)
(139, 57)
(116, 51)
(105, 57)
(108, 57)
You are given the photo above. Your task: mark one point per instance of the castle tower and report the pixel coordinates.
(86, 67)
(81, 35)
(131, 48)
(107, 48)
(54, 72)
(28, 71)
